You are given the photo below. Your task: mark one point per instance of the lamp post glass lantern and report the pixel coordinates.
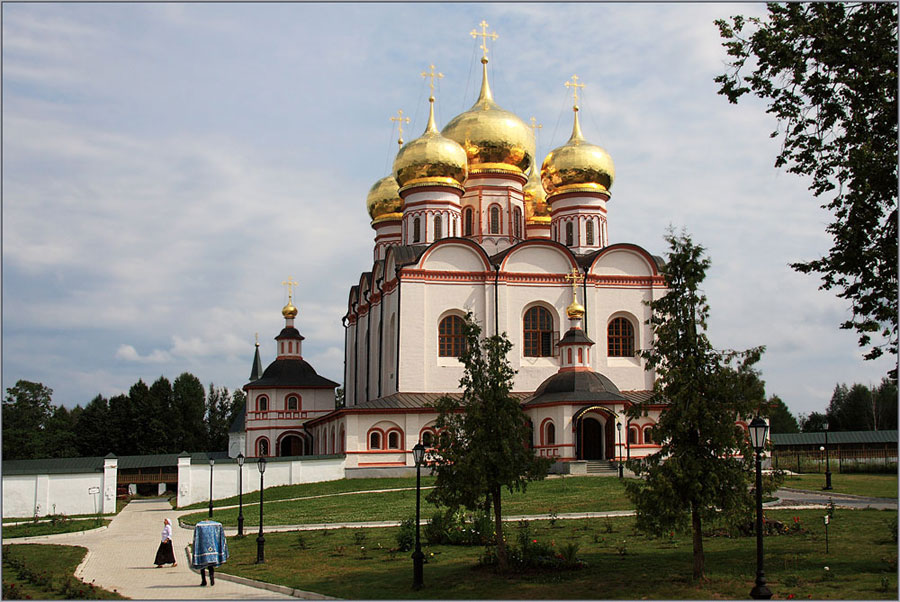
(758, 429)
(240, 461)
(212, 463)
(619, 448)
(260, 540)
(418, 557)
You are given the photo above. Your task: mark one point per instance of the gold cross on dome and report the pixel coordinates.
(484, 36)
(535, 126)
(400, 119)
(576, 277)
(257, 339)
(575, 85)
(290, 284)
(431, 74)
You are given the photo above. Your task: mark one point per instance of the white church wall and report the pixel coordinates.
(621, 262)
(455, 257)
(194, 478)
(538, 259)
(60, 493)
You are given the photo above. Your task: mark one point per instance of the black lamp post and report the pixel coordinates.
(212, 463)
(619, 447)
(418, 557)
(758, 429)
(628, 439)
(260, 540)
(827, 463)
(240, 461)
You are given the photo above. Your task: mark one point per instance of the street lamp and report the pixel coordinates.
(418, 557)
(827, 463)
(260, 540)
(212, 462)
(240, 461)
(758, 428)
(619, 447)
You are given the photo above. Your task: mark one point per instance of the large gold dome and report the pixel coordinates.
(430, 159)
(494, 139)
(577, 166)
(383, 201)
(536, 208)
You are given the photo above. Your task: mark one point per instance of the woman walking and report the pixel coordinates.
(165, 554)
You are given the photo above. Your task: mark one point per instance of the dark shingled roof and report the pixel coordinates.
(289, 332)
(407, 401)
(836, 437)
(291, 373)
(575, 336)
(95, 463)
(576, 385)
(237, 425)
(407, 254)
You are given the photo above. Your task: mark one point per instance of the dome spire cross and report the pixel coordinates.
(290, 284)
(574, 85)
(400, 119)
(484, 36)
(576, 278)
(431, 74)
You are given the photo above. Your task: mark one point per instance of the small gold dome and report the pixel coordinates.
(495, 140)
(383, 201)
(289, 311)
(430, 159)
(577, 166)
(536, 208)
(575, 311)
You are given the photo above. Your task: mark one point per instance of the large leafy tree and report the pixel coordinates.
(485, 436)
(828, 71)
(93, 428)
(188, 411)
(696, 476)
(26, 411)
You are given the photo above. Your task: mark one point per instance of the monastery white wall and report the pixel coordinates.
(193, 479)
(60, 493)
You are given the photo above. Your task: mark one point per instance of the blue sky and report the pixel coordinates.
(167, 166)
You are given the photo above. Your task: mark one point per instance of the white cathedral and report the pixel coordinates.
(467, 222)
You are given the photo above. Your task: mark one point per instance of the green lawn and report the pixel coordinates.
(44, 572)
(873, 485)
(571, 494)
(620, 564)
(48, 528)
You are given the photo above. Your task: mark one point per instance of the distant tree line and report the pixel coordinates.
(166, 417)
(856, 408)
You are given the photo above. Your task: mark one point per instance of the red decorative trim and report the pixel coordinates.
(381, 464)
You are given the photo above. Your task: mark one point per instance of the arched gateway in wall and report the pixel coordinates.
(595, 433)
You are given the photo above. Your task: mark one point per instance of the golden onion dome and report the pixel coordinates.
(289, 311)
(536, 208)
(430, 159)
(577, 166)
(383, 201)
(495, 140)
(575, 311)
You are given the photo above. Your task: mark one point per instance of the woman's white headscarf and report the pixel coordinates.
(167, 530)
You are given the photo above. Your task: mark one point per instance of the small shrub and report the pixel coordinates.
(360, 536)
(553, 517)
(622, 548)
(406, 535)
(598, 538)
(885, 584)
(608, 525)
(791, 581)
(569, 553)
(339, 550)
(300, 542)
(827, 575)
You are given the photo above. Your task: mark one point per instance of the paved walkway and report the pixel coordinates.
(120, 557)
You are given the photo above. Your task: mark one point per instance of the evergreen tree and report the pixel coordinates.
(696, 474)
(219, 407)
(189, 409)
(829, 73)
(26, 410)
(780, 418)
(93, 427)
(142, 416)
(814, 422)
(850, 409)
(885, 401)
(159, 429)
(121, 426)
(485, 437)
(61, 436)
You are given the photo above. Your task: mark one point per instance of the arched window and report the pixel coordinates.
(550, 439)
(374, 440)
(454, 227)
(517, 222)
(262, 404)
(428, 439)
(495, 220)
(620, 338)
(467, 221)
(393, 438)
(262, 446)
(570, 234)
(451, 340)
(632, 435)
(416, 230)
(589, 232)
(438, 227)
(647, 437)
(293, 403)
(538, 330)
